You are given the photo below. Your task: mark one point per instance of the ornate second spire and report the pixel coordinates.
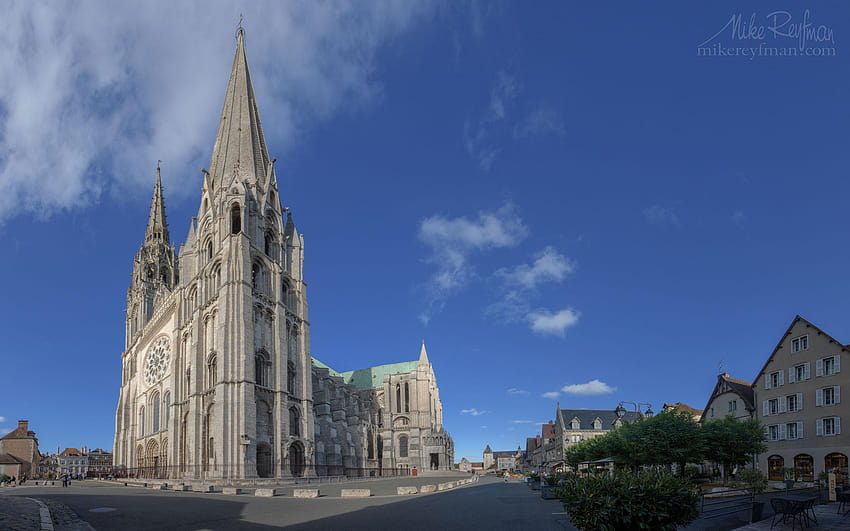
(240, 146)
(157, 226)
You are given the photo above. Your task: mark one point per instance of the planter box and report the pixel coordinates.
(535, 485)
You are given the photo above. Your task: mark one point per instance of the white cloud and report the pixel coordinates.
(659, 215)
(2, 419)
(593, 387)
(524, 422)
(94, 95)
(542, 121)
(546, 322)
(551, 395)
(483, 427)
(472, 411)
(480, 138)
(453, 240)
(515, 391)
(549, 265)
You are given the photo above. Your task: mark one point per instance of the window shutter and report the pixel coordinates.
(767, 432)
(837, 421)
(781, 378)
(838, 363)
(791, 371)
(819, 397)
(765, 408)
(837, 394)
(767, 381)
(800, 430)
(808, 370)
(799, 401)
(783, 404)
(783, 432)
(819, 427)
(819, 368)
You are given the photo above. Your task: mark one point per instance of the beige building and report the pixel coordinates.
(695, 413)
(19, 453)
(575, 425)
(798, 399)
(218, 381)
(729, 397)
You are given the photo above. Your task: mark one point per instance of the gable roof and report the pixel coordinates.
(727, 384)
(787, 333)
(9, 459)
(21, 432)
(681, 406)
(370, 377)
(587, 416)
(320, 365)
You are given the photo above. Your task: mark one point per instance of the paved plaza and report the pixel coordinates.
(489, 503)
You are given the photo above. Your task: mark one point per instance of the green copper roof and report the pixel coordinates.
(319, 364)
(374, 376)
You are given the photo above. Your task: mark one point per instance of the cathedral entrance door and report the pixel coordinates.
(264, 460)
(435, 461)
(296, 459)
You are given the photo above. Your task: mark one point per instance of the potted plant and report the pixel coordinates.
(548, 485)
(791, 475)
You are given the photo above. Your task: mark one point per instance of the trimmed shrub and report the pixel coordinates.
(752, 477)
(625, 501)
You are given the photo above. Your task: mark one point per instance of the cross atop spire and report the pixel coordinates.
(157, 226)
(240, 146)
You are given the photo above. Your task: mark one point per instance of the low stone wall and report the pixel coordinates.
(428, 488)
(355, 493)
(407, 490)
(265, 493)
(305, 493)
(182, 488)
(446, 486)
(202, 488)
(231, 490)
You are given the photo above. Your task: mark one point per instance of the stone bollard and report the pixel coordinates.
(407, 490)
(265, 493)
(203, 488)
(160, 486)
(428, 488)
(446, 486)
(182, 488)
(356, 493)
(231, 490)
(305, 493)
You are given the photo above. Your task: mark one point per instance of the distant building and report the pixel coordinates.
(73, 462)
(99, 463)
(730, 397)
(681, 406)
(798, 399)
(576, 425)
(502, 460)
(19, 453)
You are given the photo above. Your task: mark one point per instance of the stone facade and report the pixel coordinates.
(798, 399)
(19, 453)
(217, 380)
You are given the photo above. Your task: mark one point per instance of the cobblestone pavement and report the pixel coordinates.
(19, 514)
(65, 519)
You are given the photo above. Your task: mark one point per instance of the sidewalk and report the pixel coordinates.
(828, 520)
(19, 514)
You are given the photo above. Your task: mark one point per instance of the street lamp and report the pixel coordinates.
(620, 411)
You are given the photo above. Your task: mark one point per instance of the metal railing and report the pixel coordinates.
(727, 502)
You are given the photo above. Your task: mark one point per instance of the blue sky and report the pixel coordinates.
(564, 200)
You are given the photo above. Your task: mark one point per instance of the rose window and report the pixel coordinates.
(156, 363)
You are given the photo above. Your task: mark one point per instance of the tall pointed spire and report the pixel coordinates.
(157, 226)
(240, 145)
(423, 356)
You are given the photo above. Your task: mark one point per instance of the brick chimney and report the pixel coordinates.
(24, 425)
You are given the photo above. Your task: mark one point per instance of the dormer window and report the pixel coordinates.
(575, 424)
(800, 343)
(597, 424)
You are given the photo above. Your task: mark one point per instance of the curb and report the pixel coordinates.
(44, 513)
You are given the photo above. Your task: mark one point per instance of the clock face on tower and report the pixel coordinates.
(157, 360)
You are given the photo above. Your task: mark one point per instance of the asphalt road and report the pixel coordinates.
(489, 504)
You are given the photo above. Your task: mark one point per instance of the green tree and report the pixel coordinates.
(732, 442)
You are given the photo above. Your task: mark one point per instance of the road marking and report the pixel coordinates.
(102, 509)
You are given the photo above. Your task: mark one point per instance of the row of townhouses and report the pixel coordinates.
(796, 396)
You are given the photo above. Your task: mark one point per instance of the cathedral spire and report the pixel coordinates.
(157, 226)
(423, 355)
(240, 146)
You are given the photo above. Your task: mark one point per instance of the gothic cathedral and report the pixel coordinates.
(218, 380)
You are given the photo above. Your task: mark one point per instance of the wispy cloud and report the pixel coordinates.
(157, 94)
(480, 138)
(542, 121)
(515, 391)
(593, 387)
(549, 265)
(552, 395)
(552, 323)
(524, 422)
(659, 215)
(4, 431)
(738, 217)
(2, 419)
(472, 411)
(452, 241)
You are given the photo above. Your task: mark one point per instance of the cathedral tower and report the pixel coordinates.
(221, 339)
